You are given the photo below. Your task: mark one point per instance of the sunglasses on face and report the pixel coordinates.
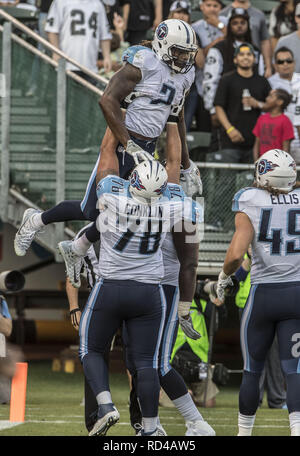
(281, 62)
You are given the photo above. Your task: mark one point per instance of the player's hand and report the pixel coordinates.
(75, 315)
(223, 282)
(190, 180)
(138, 154)
(185, 320)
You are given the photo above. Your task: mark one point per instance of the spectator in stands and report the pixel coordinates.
(209, 30)
(10, 3)
(286, 78)
(77, 28)
(273, 130)
(237, 114)
(282, 20)
(113, 7)
(220, 58)
(180, 10)
(292, 41)
(140, 17)
(259, 30)
(118, 46)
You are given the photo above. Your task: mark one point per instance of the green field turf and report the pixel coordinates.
(53, 409)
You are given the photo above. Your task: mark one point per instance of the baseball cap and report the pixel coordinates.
(297, 10)
(239, 12)
(180, 5)
(219, 1)
(242, 47)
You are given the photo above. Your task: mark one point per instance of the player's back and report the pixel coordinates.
(276, 241)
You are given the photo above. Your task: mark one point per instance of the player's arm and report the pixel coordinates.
(241, 240)
(75, 313)
(173, 149)
(239, 245)
(119, 86)
(187, 253)
(108, 163)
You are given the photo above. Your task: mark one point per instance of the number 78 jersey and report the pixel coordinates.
(276, 242)
(132, 233)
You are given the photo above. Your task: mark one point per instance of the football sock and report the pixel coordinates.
(92, 233)
(104, 398)
(246, 424)
(187, 408)
(294, 418)
(149, 424)
(36, 220)
(81, 245)
(62, 212)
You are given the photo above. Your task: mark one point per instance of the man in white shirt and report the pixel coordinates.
(286, 78)
(79, 28)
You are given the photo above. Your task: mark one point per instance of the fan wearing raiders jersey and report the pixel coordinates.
(78, 27)
(267, 216)
(156, 81)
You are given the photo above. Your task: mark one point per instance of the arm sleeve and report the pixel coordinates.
(212, 73)
(103, 25)
(4, 309)
(54, 18)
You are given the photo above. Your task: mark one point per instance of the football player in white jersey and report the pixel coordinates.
(132, 231)
(156, 80)
(267, 217)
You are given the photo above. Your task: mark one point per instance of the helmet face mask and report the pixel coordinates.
(175, 44)
(276, 169)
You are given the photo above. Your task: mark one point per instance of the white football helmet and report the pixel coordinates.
(175, 44)
(148, 180)
(277, 169)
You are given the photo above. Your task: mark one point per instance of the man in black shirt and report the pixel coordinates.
(236, 112)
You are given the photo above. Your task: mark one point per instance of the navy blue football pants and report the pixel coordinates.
(270, 309)
(142, 309)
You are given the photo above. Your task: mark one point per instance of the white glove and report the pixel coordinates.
(223, 282)
(190, 180)
(138, 154)
(186, 323)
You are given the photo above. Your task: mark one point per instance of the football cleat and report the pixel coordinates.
(26, 232)
(73, 262)
(160, 432)
(199, 427)
(105, 422)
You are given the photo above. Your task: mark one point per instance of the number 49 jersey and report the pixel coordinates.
(81, 24)
(132, 233)
(159, 89)
(276, 242)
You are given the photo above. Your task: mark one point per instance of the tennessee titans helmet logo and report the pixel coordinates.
(265, 166)
(161, 189)
(162, 31)
(136, 182)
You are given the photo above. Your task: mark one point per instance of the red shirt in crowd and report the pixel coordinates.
(272, 131)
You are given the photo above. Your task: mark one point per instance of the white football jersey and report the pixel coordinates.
(132, 233)
(170, 261)
(276, 242)
(293, 110)
(159, 89)
(81, 25)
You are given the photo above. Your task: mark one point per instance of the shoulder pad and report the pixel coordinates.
(174, 192)
(140, 57)
(112, 184)
(244, 197)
